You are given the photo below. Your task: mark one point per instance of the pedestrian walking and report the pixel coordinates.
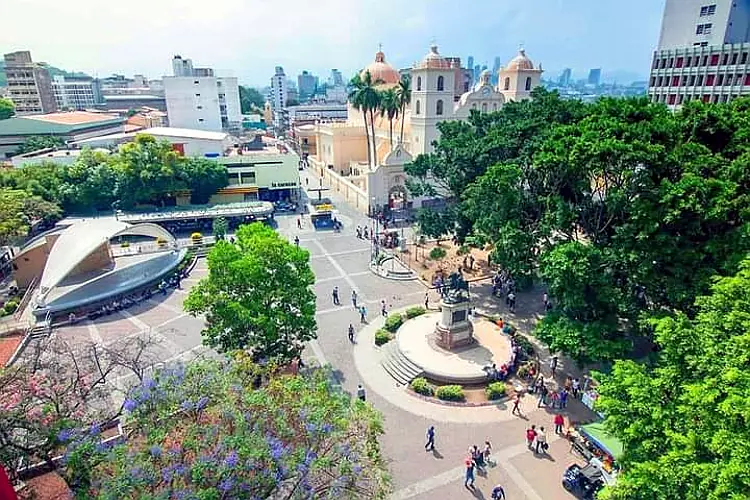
(553, 365)
(487, 451)
(471, 262)
(363, 314)
(530, 436)
(563, 398)
(498, 493)
(516, 403)
(476, 456)
(354, 298)
(336, 296)
(512, 301)
(541, 441)
(296, 240)
(359, 232)
(545, 300)
(430, 439)
(351, 333)
(383, 308)
(307, 182)
(469, 481)
(361, 393)
(299, 223)
(555, 400)
(576, 388)
(559, 421)
(542, 396)
(427, 300)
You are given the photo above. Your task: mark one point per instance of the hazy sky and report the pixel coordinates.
(248, 38)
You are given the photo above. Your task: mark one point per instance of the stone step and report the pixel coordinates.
(407, 363)
(398, 366)
(395, 373)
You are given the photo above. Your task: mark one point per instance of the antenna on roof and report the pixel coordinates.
(380, 47)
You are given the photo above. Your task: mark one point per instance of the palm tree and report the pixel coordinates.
(389, 107)
(403, 94)
(364, 97)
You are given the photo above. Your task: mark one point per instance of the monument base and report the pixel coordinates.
(454, 329)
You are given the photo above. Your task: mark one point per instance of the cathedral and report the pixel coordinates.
(338, 150)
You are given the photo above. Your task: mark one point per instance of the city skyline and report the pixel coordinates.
(557, 35)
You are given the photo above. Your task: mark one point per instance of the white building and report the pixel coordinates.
(203, 102)
(702, 53)
(194, 143)
(182, 67)
(278, 89)
(337, 93)
(78, 93)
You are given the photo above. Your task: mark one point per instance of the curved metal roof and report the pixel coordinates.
(78, 241)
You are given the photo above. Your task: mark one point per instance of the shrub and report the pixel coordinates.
(161, 240)
(413, 312)
(393, 322)
(527, 348)
(383, 337)
(125, 244)
(196, 236)
(495, 390)
(450, 393)
(463, 250)
(421, 386)
(437, 253)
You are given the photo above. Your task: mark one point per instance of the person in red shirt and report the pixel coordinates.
(530, 436)
(559, 422)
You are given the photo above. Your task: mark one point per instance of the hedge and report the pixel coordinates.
(413, 312)
(382, 337)
(421, 386)
(437, 253)
(450, 393)
(495, 390)
(393, 322)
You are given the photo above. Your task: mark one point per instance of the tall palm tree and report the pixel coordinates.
(389, 108)
(403, 94)
(364, 97)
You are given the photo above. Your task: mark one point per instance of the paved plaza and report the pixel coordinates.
(340, 259)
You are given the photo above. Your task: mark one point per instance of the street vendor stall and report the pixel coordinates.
(606, 449)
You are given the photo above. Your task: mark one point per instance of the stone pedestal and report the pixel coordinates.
(454, 328)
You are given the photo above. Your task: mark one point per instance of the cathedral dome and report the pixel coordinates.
(381, 72)
(520, 62)
(434, 60)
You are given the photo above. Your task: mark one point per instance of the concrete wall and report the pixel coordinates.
(355, 196)
(193, 102)
(97, 260)
(29, 264)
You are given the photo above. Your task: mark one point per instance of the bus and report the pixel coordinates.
(322, 213)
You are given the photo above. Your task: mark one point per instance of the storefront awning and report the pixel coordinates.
(599, 436)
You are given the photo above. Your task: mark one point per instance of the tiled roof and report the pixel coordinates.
(38, 125)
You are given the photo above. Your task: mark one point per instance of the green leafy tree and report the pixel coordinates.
(37, 142)
(205, 178)
(7, 108)
(90, 182)
(203, 431)
(220, 227)
(683, 420)
(19, 211)
(257, 295)
(148, 171)
(251, 100)
(389, 107)
(403, 95)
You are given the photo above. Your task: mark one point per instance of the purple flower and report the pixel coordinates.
(167, 474)
(226, 485)
(64, 435)
(202, 403)
(310, 456)
(186, 405)
(357, 469)
(310, 427)
(232, 459)
(130, 405)
(155, 451)
(95, 429)
(277, 447)
(326, 428)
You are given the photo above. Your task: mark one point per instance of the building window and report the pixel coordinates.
(672, 99)
(680, 98)
(419, 83)
(714, 59)
(678, 63)
(743, 60)
(708, 10)
(720, 80)
(494, 106)
(196, 82)
(200, 107)
(703, 29)
(474, 105)
(528, 83)
(439, 107)
(704, 60)
(724, 59)
(441, 83)
(507, 83)
(653, 81)
(417, 107)
(197, 95)
(200, 120)
(683, 81)
(484, 107)
(675, 81)
(699, 80)
(692, 80)
(734, 58)
(710, 80)
(661, 81)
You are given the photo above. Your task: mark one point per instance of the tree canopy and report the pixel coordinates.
(683, 419)
(19, 211)
(37, 142)
(257, 295)
(7, 108)
(251, 100)
(620, 206)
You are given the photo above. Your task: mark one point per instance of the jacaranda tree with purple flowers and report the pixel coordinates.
(207, 431)
(257, 295)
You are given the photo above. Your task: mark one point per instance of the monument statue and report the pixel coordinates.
(454, 329)
(457, 289)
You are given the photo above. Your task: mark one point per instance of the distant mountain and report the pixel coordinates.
(53, 71)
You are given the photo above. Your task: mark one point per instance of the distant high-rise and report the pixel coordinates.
(595, 76)
(565, 77)
(702, 52)
(495, 68)
(306, 84)
(477, 70)
(336, 77)
(182, 67)
(470, 62)
(29, 84)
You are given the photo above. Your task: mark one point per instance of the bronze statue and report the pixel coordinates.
(458, 289)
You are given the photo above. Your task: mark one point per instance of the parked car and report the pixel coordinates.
(583, 482)
(284, 206)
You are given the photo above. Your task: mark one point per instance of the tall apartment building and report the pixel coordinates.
(278, 95)
(306, 83)
(29, 84)
(702, 53)
(595, 76)
(336, 77)
(203, 102)
(565, 77)
(76, 93)
(182, 67)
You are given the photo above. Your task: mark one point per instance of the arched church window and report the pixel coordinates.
(494, 106)
(441, 83)
(439, 106)
(484, 107)
(419, 83)
(473, 105)
(528, 83)
(507, 83)
(417, 107)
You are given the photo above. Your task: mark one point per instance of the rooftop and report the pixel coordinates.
(185, 133)
(72, 117)
(56, 123)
